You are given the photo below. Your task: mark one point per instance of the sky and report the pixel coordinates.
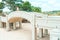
(46, 5)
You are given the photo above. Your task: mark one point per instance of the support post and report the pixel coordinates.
(40, 32)
(7, 26)
(45, 32)
(14, 25)
(20, 24)
(35, 33)
(0, 23)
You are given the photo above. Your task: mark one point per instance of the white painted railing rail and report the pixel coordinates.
(3, 19)
(49, 22)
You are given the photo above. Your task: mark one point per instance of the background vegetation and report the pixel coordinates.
(25, 6)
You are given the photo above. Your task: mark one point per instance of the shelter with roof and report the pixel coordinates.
(37, 20)
(9, 20)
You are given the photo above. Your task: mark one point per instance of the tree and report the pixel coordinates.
(36, 9)
(26, 6)
(1, 6)
(18, 0)
(14, 3)
(11, 3)
(19, 6)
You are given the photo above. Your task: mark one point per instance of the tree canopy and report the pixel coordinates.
(11, 3)
(36, 9)
(1, 5)
(26, 6)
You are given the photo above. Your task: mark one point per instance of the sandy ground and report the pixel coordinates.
(44, 38)
(20, 34)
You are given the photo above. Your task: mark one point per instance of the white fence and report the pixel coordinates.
(3, 19)
(49, 22)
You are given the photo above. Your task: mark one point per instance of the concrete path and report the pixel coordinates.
(20, 34)
(44, 38)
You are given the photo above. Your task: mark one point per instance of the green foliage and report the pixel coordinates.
(18, 0)
(11, 3)
(13, 7)
(1, 5)
(54, 13)
(0, 11)
(26, 6)
(19, 5)
(36, 9)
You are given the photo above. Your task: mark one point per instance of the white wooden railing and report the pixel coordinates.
(49, 22)
(3, 19)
